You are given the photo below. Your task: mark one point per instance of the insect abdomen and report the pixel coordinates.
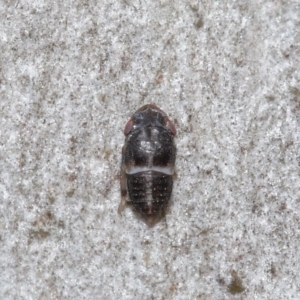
(150, 192)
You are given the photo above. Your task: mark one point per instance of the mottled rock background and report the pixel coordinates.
(71, 75)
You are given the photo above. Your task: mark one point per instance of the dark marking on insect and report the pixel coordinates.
(148, 161)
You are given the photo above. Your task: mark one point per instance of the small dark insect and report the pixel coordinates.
(148, 161)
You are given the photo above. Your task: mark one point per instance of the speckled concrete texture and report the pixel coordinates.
(71, 75)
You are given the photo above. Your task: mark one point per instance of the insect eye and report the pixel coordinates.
(171, 126)
(128, 127)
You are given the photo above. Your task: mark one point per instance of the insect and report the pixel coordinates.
(148, 161)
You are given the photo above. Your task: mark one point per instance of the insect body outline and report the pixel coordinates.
(148, 162)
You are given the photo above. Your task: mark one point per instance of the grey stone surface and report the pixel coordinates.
(72, 73)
